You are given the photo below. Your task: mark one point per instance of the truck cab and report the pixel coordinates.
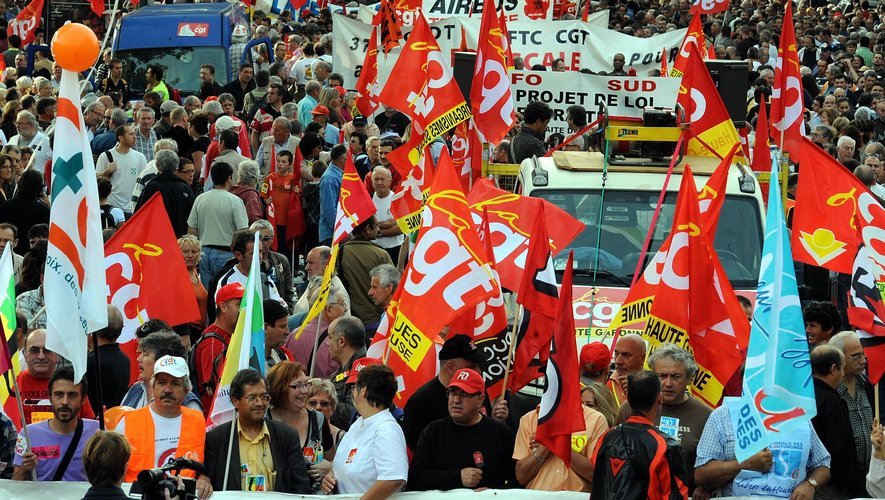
(179, 38)
(617, 221)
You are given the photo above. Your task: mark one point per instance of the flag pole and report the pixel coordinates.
(100, 401)
(230, 447)
(516, 319)
(18, 400)
(876, 399)
(316, 341)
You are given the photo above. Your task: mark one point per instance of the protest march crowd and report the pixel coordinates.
(271, 280)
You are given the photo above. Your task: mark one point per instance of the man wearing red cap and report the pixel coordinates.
(465, 449)
(595, 363)
(321, 116)
(214, 341)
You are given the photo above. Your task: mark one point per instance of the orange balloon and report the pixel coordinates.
(75, 47)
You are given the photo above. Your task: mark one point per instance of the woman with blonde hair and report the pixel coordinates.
(601, 399)
(331, 99)
(190, 249)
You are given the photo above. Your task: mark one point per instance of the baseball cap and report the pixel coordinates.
(341, 90)
(320, 110)
(229, 292)
(225, 123)
(597, 354)
(358, 366)
(459, 346)
(469, 381)
(360, 121)
(167, 107)
(173, 365)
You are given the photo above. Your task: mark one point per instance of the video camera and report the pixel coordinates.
(152, 483)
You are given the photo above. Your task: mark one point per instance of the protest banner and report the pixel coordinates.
(513, 9)
(571, 39)
(625, 96)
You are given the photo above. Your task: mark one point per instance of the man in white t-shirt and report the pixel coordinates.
(165, 430)
(121, 165)
(391, 236)
(302, 70)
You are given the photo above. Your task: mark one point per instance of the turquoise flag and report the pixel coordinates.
(778, 393)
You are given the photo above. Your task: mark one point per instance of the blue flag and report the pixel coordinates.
(778, 394)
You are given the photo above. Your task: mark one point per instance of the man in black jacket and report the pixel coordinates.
(831, 423)
(273, 459)
(177, 195)
(530, 139)
(628, 461)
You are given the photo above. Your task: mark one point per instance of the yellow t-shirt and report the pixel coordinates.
(256, 462)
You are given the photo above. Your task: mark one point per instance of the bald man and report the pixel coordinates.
(629, 357)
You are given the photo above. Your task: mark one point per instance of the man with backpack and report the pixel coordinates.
(263, 113)
(213, 342)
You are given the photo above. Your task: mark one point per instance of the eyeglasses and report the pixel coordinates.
(313, 403)
(189, 171)
(267, 238)
(858, 356)
(35, 351)
(251, 398)
(299, 386)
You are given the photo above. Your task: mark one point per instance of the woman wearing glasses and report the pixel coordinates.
(289, 387)
(324, 399)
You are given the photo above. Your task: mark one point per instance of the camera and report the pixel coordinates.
(152, 483)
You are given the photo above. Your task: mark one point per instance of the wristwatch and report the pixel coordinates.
(812, 482)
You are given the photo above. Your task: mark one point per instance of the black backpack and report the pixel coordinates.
(260, 103)
(193, 365)
(107, 220)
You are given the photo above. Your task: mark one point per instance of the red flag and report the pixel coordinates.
(512, 219)
(761, 149)
(539, 297)
(367, 84)
(745, 143)
(97, 7)
(711, 54)
(146, 275)
(26, 22)
(355, 206)
(408, 200)
(296, 4)
(694, 41)
(664, 56)
(267, 191)
(502, 22)
(787, 107)
(708, 7)
(866, 311)
(467, 154)
(432, 99)
(386, 21)
(687, 271)
(448, 272)
(711, 131)
(491, 100)
(712, 195)
(560, 412)
(824, 220)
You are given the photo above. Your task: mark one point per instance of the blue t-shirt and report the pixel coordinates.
(50, 447)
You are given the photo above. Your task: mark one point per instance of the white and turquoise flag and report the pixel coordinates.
(74, 284)
(778, 394)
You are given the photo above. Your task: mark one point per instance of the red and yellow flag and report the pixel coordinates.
(367, 84)
(355, 205)
(491, 100)
(694, 41)
(787, 103)
(711, 131)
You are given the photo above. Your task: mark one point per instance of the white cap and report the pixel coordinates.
(224, 123)
(173, 365)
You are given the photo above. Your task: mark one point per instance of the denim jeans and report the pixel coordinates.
(211, 261)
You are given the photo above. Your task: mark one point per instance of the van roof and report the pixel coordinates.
(581, 161)
(180, 9)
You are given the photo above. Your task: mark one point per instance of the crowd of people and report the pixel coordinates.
(263, 150)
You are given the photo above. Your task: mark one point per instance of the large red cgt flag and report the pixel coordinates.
(430, 96)
(694, 41)
(367, 84)
(560, 413)
(824, 220)
(490, 97)
(512, 219)
(146, 275)
(448, 272)
(684, 271)
(26, 22)
(711, 131)
(787, 106)
(708, 7)
(355, 205)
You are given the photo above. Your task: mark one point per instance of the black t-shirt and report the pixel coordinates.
(446, 447)
(430, 402)
(396, 123)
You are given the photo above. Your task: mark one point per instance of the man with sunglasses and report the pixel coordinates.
(33, 383)
(267, 456)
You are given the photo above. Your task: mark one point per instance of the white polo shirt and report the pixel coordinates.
(374, 449)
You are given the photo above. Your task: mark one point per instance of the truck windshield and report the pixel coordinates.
(181, 66)
(626, 216)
